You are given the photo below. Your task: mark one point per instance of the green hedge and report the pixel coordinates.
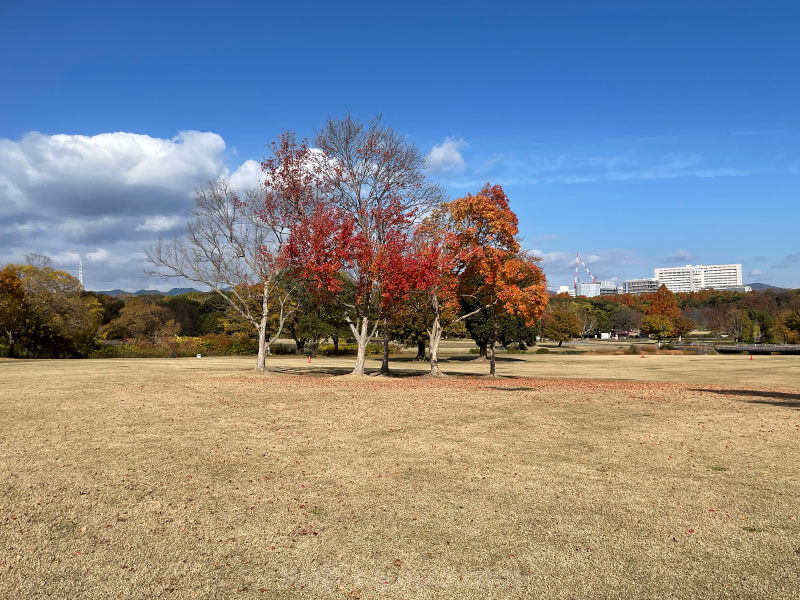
(220, 344)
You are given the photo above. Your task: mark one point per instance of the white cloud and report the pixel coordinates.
(104, 197)
(97, 255)
(160, 223)
(65, 257)
(105, 174)
(756, 272)
(446, 157)
(248, 176)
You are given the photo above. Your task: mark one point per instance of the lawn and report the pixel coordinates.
(664, 477)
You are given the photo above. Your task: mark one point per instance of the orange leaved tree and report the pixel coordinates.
(488, 262)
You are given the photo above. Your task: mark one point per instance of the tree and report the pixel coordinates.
(787, 326)
(664, 303)
(586, 318)
(657, 325)
(488, 258)
(792, 321)
(12, 305)
(625, 319)
(45, 313)
(514, 330)
(376, 191)
(561, 325)
(681, 326)
(235, 247)
(142, 320)
(663, 317)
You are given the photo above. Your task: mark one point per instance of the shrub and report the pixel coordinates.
(214, 344)
(515, 349)
(352, 349)
(643, 349)
(283, 349)
(542, 351)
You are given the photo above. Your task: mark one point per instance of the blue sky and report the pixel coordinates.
(641, 134)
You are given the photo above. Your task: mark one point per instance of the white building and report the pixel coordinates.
(693, 278)
(590, 290)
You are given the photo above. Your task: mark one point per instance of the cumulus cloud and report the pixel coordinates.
(446, 157)
(248, 176)
(680, 256)
(104, 197)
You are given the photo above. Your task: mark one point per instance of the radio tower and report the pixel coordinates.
(592, 275)
(80, 272)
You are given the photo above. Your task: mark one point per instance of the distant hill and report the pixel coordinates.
(760, 287)
(124, 294)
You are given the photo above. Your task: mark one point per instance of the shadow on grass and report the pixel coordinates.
(775, 398)
(509, 389)
(395, 370)
(473, 358)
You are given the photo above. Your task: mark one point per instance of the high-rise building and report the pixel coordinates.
(693, 278)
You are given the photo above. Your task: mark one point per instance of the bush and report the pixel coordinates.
(3, 351)
(214, 344)
(542, 351)
(643, 349)
(282, 349)
(515, 349)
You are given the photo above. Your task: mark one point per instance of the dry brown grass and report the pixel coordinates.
(200, 479)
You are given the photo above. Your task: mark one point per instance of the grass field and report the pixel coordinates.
(664, 477)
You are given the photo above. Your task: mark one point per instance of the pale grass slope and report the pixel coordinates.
(198, 479)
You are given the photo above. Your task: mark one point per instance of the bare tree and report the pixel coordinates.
(232, 248)
(373, 174)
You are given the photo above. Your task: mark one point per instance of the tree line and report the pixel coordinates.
(347, 239)
(766, 317)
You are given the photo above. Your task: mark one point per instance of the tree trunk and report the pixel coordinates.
(261, 365)
(10, 344)
(362, 337)
(314, 345)
(435, 338)
(482, 352)
(493, 348)
(560, 342)
(335, 339)
(385, 362)
(263, 345)
(420, 350)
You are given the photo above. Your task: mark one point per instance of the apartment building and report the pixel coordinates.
(693, 278)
